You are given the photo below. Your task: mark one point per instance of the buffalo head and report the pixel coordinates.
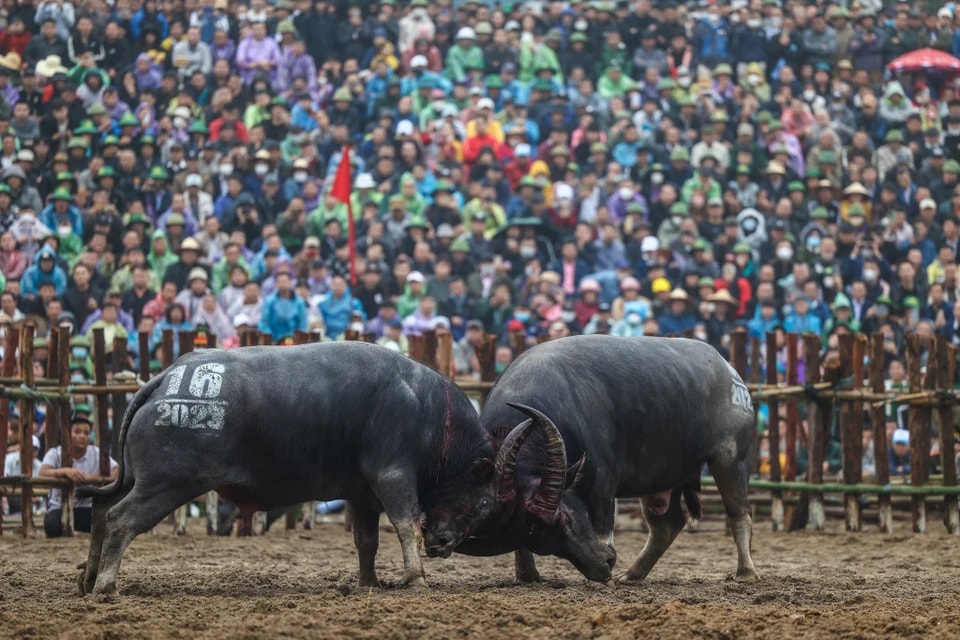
(542, 513)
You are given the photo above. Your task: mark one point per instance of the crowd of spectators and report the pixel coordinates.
(550, 168)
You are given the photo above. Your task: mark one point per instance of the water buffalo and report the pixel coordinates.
(640, 416)
(274, 426)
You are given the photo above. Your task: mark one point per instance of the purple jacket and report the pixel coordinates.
(227, 52)
(251, 52)
(292, 66)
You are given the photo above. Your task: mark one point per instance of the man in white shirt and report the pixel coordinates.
(85, 466)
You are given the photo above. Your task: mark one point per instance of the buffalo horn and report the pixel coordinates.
(546, 501)
(505, 465)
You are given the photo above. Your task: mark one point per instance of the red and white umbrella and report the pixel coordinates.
(925, 59)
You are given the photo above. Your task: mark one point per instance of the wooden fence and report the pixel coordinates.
(841, 385)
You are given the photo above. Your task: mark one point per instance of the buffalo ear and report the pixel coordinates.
(575, 473)
(482, 469)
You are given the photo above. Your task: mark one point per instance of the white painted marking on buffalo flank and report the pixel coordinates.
(740, 393)
(174, 378)
(207, 380)
(190, 413)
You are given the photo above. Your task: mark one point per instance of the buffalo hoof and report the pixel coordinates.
(631, 578)
(746, 575)
(532, 577)
(415, 583)
(180, 531)
(81, 579)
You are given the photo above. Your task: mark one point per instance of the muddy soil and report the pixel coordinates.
(302, 584)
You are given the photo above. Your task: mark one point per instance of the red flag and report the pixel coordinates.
(341, 191)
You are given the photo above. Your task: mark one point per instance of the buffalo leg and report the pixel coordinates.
(180, 516)
(526, 566)
(664, 524)
(136, 513)
(397, 493)
(732, 483)
(98, 519)
(366, 535)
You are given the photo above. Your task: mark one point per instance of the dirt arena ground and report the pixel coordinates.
(303, 585)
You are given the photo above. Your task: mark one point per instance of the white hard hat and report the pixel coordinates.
(466, 33)
(418, 61)
(364, 181)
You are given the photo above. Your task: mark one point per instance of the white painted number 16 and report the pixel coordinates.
(206, 381)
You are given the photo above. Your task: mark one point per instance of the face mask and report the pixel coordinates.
(813, 242)
(656, 178)
(300, 176)
(684, 81)
(522, 316)
(179, 122)
(625, 193)
(866, 254)
(77, 377)
(64, 231)
(734, 18)
(809, 95)
(486, 270)
(226, 169)
(357, 326)
(753, 79)
(785, 253)
(633, 318)
(676, 220)
(870, 275)
(438, 105)
(828, 282)
(714, 18)
(261, 169)
(568, 316)
(527, 252)
(753, 23)
(581, 25)
(420, 13)
(79, 353)
(700, 335)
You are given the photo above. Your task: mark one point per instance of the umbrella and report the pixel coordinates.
(923, 59)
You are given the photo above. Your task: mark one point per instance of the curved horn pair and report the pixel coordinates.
(546, 501)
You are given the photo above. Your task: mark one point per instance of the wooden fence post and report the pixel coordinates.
(119, 400)
(430, 348)
(879, 420)
(66, 459)
(166, 349)
(186, 339)
(755, 370)
(518, 343)
(143, 355)
(445, 354)
(811, 348)
(793, 416)
(946, 369)
(920, 417)
(101, 400)
(26, 428)
(851, 426)
(773, 433)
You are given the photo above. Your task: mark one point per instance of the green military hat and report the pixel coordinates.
(111, 141)
(796, 185)
(459, 246)
(856, 210)
(775, 125)
(813, 172)
(62, 193)
(894, 136)
(743, 170)
(417, 222)
(679, 209)
(665, 84)
(828, 157)
(560, 150)
(442, 185)
(702, 245)
(679, 153)
(819, 213)
(578, 37)
(80, 341)
(494, 82)
(723, 69)
(279, 102)
(542, 84)
(397, 199)
(198, 126)
(634, 207)
(342, 95)
(97, 110)
(883, 300)
(951, 166)
(5, 188)
(176, 219)
(528, 181)
(741, 247)
(134, 218)
(76, 143)
(65, 176)
(158, 173)
(418, 3)
(911, 302)
(106, 172)
(598, 147)
(705, 281)
(764, 117)
(145, 140)
(686, 100)
(128, 120)
(86, 127)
